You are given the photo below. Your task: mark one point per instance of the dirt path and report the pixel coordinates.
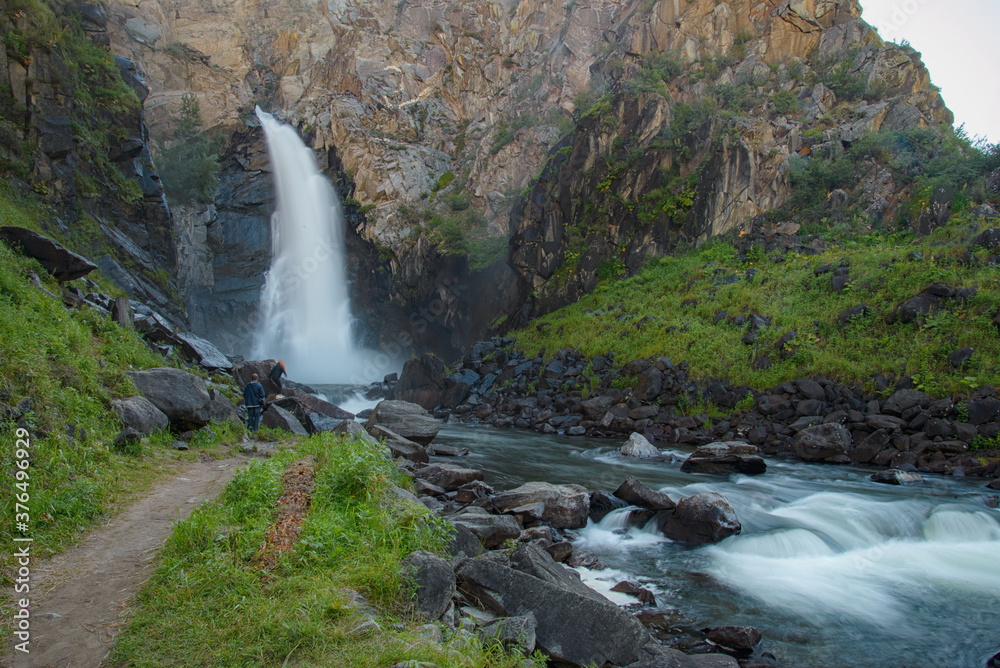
(83, 592)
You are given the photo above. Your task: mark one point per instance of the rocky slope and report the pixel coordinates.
(437, 117)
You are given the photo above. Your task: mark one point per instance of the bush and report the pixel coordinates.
(190, 166)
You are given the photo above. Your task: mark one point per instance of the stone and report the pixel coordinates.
(422, 381)
(873, 444)
(740, 639)
(902, 400)
(276, 417)
(140, 414)
(700, 519)
(916, 306)
(202, 352)
(961, 357)
(221, 409)
(464, 543)
(822, 441)
(648, 384)
(126, 438)
(537, 562)
(407, 419)
(634, 492)
(509, 632)
(847, 316)
(638, 446)
(596, 407)
(585, 631)
(896, 477)
(433, 583)
(602, 503)
(632, 589)
(403, 447)
(491, 530)
(562, 506)
(181, 396)
(353, 429)
(724, 458)
(448, 476)
(62, 263)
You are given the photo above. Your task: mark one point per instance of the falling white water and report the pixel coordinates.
(306, 313)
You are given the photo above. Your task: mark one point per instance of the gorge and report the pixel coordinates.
(743, 226)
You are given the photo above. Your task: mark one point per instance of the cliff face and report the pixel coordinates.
(437, 116)
(73, 137)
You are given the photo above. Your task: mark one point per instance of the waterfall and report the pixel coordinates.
(305, 310)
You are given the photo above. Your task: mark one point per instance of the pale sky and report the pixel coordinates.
(957, 40)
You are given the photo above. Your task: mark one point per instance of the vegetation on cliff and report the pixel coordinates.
(698, 307)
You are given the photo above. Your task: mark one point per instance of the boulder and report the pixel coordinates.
(353, 429)
(433, 583)
(64, 264)
(403, 447)
(491, 530)
(725, 457)
(903, 400)
(533, 560)
(638, 446)
(562, 506)
(221, 409)
(202, 352)
(181, 396)
(315, 404)
(125, 439)
(822, 441)
(740, 639)
(634, 492)
(571, 628)
(409, 420)
(596, 407)
(703, 518)
(896, 477)
(602, 503)
(243, 371)
(276, 417)
(509, 632)
(140, 414)
(648, 384)
(632, 589)
(422, 381)
(448, 476)
(465, 544)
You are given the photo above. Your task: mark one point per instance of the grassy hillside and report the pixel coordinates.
(674, 308)
(211, 602)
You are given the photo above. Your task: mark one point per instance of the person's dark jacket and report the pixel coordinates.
(276, 373)
(253, 394)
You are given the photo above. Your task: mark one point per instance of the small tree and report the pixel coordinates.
(190, 166)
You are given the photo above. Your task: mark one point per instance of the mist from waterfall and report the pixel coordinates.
(305, 310)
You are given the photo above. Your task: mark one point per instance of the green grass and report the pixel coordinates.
(69, 365)
(788, 291)
(208, 604)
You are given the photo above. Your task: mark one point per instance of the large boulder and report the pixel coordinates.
(903, 400)
(276, 417)
(181, 396)
(64, 264)
(422, 381)
(563, 506)
(533, 560)
(509, 632)
(638, 446)
(491, 530)
(140, 414)
(403, 447)
(571, 628)
(314, 404)
(703, 518)
(822, 441)
(353, 429)
(202, 352)
(725, 457)
(409, 420)
(243, 371)
(221, 409)
(448, 476)
(602, 503)
(636, 493)
(433, 583)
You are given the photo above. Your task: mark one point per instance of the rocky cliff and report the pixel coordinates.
(593, 117)
(74, 142)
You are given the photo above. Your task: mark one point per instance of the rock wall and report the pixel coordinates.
(412, 103)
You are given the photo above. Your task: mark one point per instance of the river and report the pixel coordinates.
(834, 570)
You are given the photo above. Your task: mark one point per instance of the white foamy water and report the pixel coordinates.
(306, 313)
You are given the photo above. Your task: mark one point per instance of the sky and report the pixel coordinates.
(957, 40)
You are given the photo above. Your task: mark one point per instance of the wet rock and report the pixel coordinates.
(638, 446)
(822, 441)
(636, 493)
(140, 414)
(896, 477)
(407, 419)
(602, 503)
(585, 631)
(181, 396)
(64, 264)
(703, 518)
(725, 457)
(562, 506)
(740, 639)
(433, 580)
(632, 589)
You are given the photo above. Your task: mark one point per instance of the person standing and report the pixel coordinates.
(276, 374)
(253, 398)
